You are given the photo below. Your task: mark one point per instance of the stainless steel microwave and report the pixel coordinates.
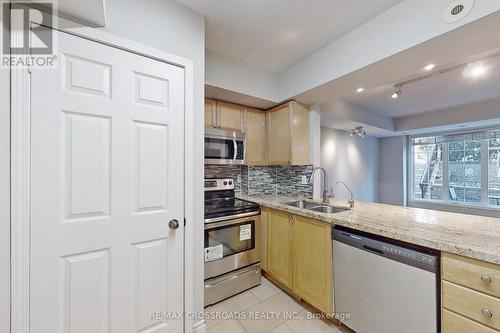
(224, 147)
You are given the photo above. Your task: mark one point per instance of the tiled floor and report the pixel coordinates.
(244, 313)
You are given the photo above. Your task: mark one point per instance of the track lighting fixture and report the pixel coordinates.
(359, 131)
(396, 93)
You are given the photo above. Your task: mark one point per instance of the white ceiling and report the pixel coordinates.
(273, 35)
(436, 92)
(443, 91)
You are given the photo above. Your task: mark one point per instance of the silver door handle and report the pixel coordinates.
(486, 279)
(173, 224)
(487, 313)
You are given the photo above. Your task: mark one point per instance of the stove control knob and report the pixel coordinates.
(230, 183)
(225, 183)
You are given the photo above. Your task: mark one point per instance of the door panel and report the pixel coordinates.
(255, 129)
(107, 176)
(300, 135)
(86, 292)
(229, 116)
(87, 144)
(279, 135)
(279, 263)
(210, 113)
(312, 263)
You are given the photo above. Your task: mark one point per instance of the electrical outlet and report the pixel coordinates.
(304, 180)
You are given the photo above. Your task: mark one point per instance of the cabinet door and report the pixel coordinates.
(210, 113)
(229, 116)
(300, 135)
(264, 222)
(312, 262)
(279, 135)
(279, 250)
(255, 128)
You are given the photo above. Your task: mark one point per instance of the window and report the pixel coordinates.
(460, 168)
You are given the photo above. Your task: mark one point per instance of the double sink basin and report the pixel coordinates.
(316, 207)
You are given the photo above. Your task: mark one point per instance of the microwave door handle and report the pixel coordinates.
(235, 149)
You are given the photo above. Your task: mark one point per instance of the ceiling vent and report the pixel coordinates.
(458, 10)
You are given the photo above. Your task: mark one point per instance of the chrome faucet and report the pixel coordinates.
(351, 201)
(324, 196)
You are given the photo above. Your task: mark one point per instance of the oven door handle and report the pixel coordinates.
(208, 285)
(224, 220)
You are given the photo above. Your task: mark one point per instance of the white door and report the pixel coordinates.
(107, 171)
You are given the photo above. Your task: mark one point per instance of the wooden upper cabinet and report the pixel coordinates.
(278, 122)
(223, 115)
(288, 134)
(255, 129)
(229, 116)
(210, 113)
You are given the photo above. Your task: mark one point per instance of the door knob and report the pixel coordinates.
(173, 224)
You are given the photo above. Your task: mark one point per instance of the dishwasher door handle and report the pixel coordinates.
(372, 249)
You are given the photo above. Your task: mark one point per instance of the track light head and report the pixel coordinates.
(397, 93)
(359, 131)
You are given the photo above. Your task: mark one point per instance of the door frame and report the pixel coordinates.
(20, 170)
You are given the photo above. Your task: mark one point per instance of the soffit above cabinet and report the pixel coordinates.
(93, 15)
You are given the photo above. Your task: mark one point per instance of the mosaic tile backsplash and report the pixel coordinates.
(258, 180)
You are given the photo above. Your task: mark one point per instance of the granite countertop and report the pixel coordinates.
(466, 235)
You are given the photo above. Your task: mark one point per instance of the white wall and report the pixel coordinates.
(315, 144)
(232, 74)
(353, 160)
(391, 175)
(170, 27)
(4, 200)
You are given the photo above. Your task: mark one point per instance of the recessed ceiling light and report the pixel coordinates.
(429, 67)
(475, 70)
(360, 90)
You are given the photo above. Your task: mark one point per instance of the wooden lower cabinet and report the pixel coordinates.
(453, 323)
(312, 262)
(299, 257)
(279, 250)
(470, 290)
(264, 218)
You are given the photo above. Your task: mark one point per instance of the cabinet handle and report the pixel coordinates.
(487, 313)
(486, 279)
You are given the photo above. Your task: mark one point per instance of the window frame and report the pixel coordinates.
(412, 201)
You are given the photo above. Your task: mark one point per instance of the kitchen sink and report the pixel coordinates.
(317, 207)
(302, 204)
(328, 209)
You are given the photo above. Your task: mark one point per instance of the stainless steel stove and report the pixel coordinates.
(232, 242)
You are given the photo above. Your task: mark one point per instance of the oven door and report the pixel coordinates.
(231, 244)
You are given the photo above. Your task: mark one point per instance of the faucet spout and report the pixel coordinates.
(351, 201)
(325, 185)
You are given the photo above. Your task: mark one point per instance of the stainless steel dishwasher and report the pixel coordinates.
(383, 286)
